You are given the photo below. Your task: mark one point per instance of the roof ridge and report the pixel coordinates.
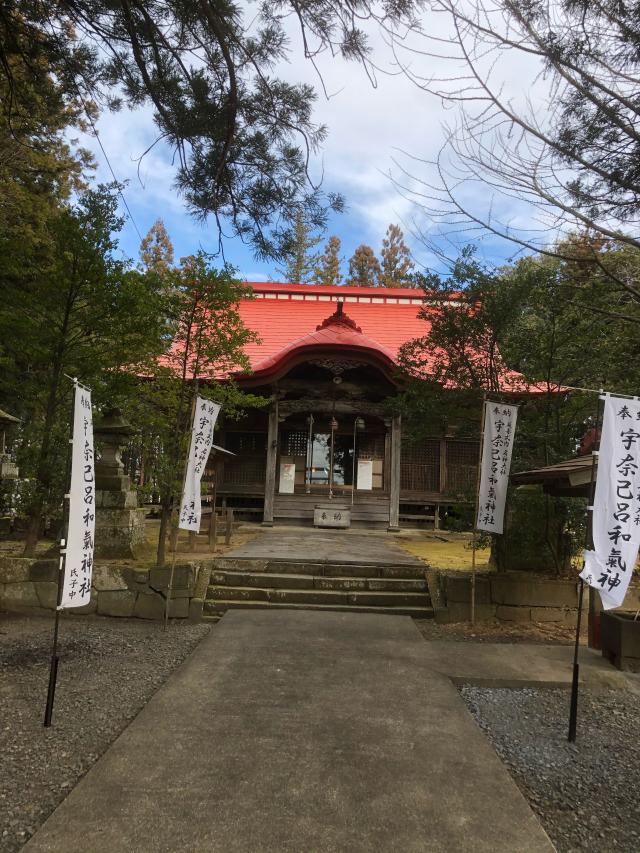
(339, 318)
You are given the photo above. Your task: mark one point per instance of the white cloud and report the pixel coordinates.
(367, 127)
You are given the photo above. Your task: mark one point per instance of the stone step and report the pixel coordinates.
(318, 596)
(218, 607)
(292, 581)
(405, 571)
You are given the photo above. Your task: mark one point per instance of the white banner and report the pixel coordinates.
(204, 419)
(499, 431)
(287, 478)
(616, 505)
(78, 564)
(365, 475)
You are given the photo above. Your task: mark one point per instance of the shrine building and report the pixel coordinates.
(327, 360)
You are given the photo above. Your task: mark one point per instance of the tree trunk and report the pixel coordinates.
(165, 519)
(43, 470)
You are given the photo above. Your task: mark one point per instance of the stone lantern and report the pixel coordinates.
(119, 521)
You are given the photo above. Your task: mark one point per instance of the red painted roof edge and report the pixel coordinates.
(338, 291)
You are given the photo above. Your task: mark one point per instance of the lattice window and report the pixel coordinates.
(420, 466)
(370, 446)
(462, 467)
(244, 471)
(246, 442)
(294, 443)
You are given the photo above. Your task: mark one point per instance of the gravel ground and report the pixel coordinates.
(109, 668)
(585, 794)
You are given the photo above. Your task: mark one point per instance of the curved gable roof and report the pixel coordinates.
(336, 332)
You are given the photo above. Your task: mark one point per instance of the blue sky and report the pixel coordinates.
(369, 128)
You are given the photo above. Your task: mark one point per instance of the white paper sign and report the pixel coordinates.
(499, 431)
(616, 505)
(205, 416)
(287, 478)
(78, 564)
(364, 483)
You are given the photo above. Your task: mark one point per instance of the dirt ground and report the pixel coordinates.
(547, 633)
(146, 554)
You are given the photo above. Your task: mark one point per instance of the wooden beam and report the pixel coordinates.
(327, 406)
(272, 458)
(394, 486)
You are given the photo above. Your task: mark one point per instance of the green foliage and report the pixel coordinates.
(241, 136)
(549, 319)
(205, 345)
(466, 315)
(76, 311)
(542, 532)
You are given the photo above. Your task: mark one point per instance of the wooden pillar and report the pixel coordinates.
(394, 490)
(386, 468)
(443, 467)
(272, 457)
(442, 482)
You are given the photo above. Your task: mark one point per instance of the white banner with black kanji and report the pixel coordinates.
(499, 431)
(205, 416)
(616, 505)
(78, 563)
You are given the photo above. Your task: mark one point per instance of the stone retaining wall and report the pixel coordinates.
(30, 586)
(513, 597)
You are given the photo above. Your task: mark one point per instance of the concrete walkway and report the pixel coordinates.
(308, 544)
(299, 731)
(523, 665)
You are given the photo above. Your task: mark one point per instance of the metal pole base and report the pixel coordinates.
(573, 710)
(51, 692)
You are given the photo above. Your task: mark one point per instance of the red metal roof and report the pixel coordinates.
(286, 317)
(295, 322)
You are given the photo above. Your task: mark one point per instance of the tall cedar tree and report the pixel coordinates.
(396, 259)
(156, 249)
(364, 267)
(297, 247)
(327, 270)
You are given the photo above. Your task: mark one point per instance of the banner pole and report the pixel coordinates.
(474, 541)
(170, 583)
(53, 670)
(176, 532)
(588, 543)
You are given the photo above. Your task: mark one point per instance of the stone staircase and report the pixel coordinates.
(338, 586)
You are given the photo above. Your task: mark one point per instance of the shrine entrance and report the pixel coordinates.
(324, 456)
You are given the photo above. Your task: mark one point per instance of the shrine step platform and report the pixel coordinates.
(318, 585)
